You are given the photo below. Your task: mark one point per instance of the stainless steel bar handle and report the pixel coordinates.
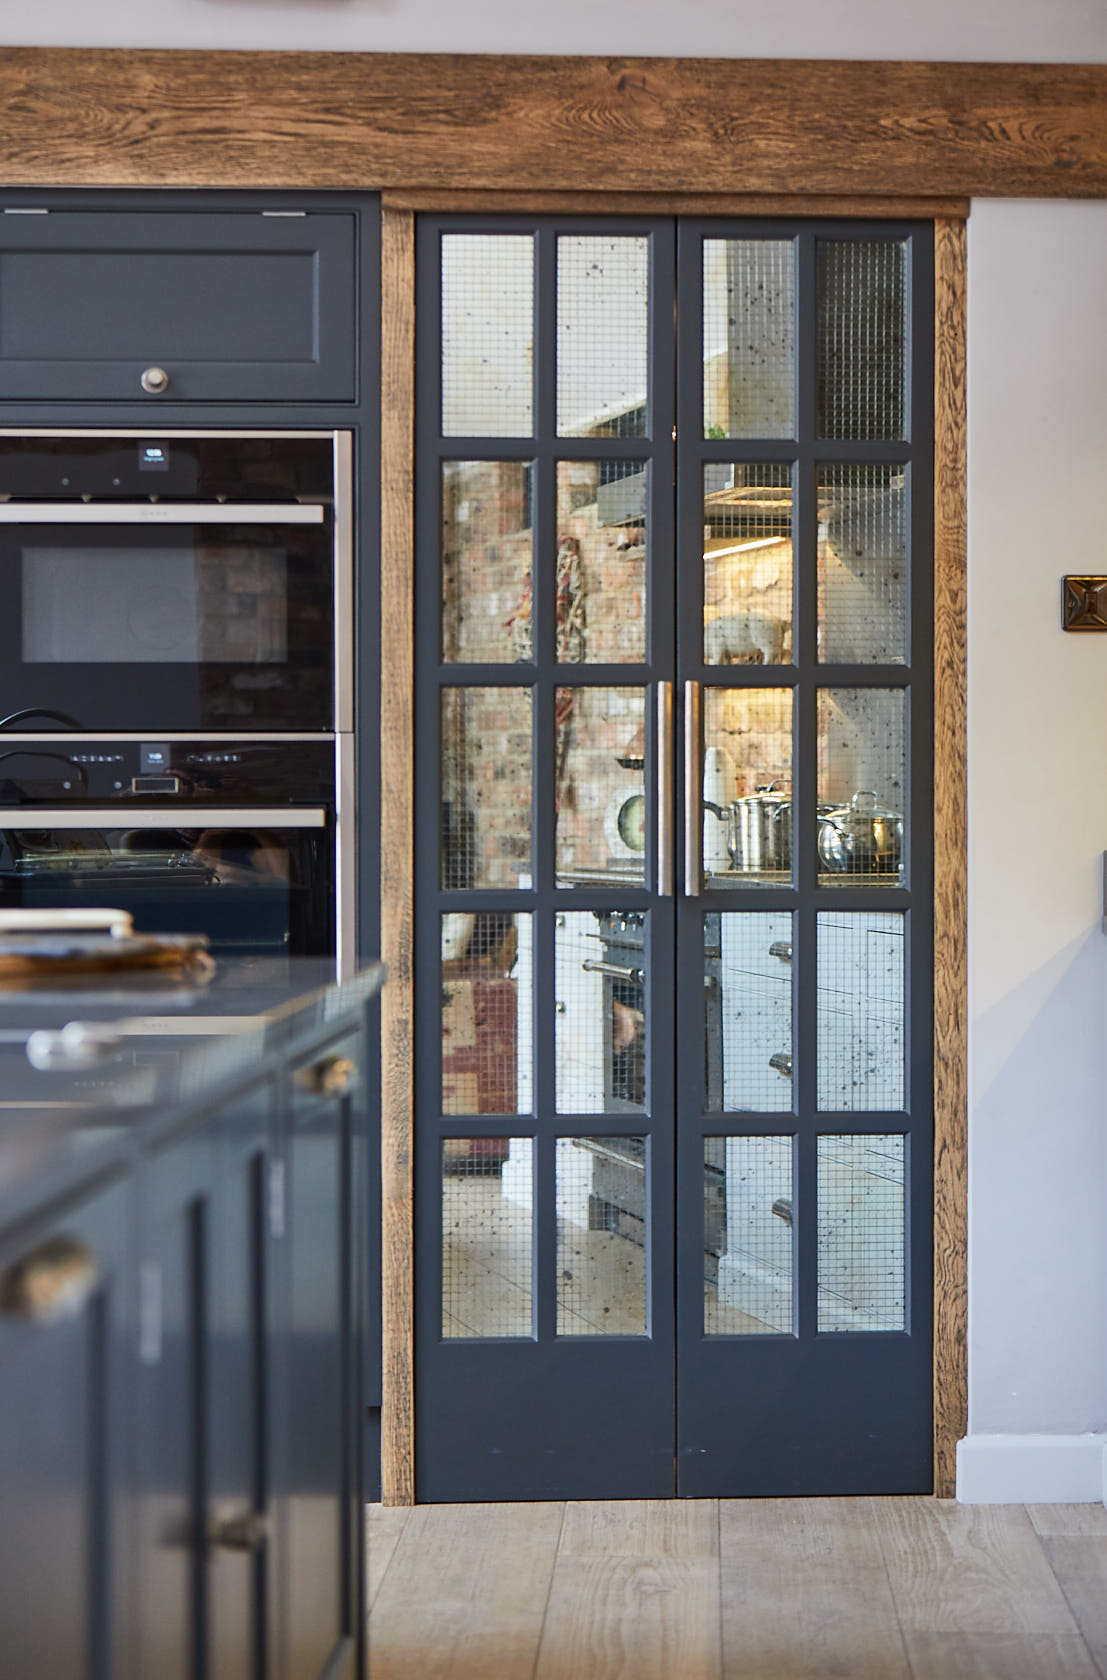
(665, 789)
(162, 816)
(162, 513)
(693, 824)
(615, 971)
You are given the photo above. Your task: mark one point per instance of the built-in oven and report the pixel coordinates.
(245, 839)
(176, 581)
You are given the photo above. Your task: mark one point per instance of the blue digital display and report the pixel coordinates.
(153, 457)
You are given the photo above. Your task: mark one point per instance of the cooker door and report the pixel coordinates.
(159, 615)
(258, 882)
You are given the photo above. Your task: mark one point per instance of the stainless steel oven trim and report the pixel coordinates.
(346, 857)
(162, 513)
(218, 738)
(343, 581)
(168, 816)
(158, 431)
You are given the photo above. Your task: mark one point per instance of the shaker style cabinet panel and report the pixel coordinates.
(63, 1329)
(203, 306)
(313, 1446)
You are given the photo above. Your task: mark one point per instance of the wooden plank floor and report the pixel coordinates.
(736, 1589)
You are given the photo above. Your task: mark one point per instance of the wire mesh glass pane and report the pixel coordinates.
(487, 1045)
(862, 582)
(487, 558)
(601, 561)
(861, 367)
(487, 334)
(747, 1196)
(861, 1232)
(602, 1233)
(749, 342)
(861, 787)
(600, 999)
(485, 787)
(861, 1032)
(602, 335)
(487, 1232)
(748, 1010)
(747, 779)
(747, 564)
(599, 770)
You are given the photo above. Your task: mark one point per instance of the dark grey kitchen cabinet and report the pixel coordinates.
(170, 1375)
(318, 1376)
(177, 305)
(245, 1225)
(64, 1322)
(182, 1312)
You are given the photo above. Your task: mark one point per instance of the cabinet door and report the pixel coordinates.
(314, 1459)
(245, 1221)
(174, 1234)
(230, 306)
(62, 1331)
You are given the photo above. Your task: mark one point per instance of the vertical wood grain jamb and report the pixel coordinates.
(950, 857)
(397, 849)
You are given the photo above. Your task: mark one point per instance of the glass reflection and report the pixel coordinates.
(487, 1051)
(485, 786)
(487, 1229)
(861, 1232)
(747, 777)
(487, 551)
(748, 1240)
(748, 338)
(747, 564)
(487, 334)
(601, 561)
(862, 777)
(862, 572)
(602, 1234)
(602, 335)
(861, 1029)
(599, 768)
(748, 1011)
(861, 338)
(600, 993)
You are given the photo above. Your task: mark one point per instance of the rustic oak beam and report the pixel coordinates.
(107, 117)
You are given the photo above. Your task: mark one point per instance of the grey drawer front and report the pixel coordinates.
(233, 306)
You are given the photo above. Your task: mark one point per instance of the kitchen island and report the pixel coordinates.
(186, 1323)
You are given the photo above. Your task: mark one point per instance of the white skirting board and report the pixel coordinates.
(1032, 1469)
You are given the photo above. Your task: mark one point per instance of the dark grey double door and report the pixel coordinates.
(673, 1079)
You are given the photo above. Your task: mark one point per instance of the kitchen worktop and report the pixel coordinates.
(152, 1052)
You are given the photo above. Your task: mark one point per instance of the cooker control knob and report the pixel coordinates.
(155, 380)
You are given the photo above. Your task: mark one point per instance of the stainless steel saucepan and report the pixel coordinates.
(759, 828)
(860, 838)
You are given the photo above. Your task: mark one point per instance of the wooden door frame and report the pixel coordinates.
(466, 132)
(950, 792)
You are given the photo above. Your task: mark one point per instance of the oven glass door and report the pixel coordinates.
(258, 882)
(164, 616)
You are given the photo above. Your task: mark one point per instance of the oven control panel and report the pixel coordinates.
(213, 770)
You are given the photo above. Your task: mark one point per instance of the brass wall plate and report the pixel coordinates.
(1084, 603)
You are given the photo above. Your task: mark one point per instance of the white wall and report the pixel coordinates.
(1038, 698)
(1048, 30)
(1038, 815)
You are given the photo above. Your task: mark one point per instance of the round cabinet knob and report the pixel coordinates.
(155, 380)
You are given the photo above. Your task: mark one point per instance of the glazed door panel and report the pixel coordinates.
(673, 649)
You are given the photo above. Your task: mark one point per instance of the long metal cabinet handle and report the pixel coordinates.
(693, 863)
(665, 789)
(162, 513)
(162, 816)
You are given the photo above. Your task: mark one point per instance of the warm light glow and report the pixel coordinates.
(743, 548)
